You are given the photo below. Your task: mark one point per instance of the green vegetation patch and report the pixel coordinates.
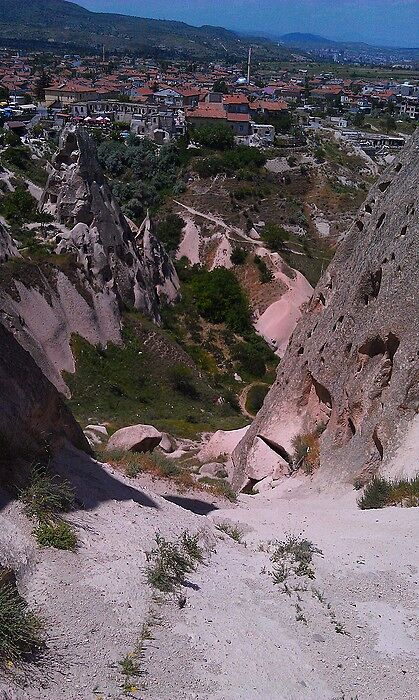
(20, 629)
(170, 562)
(132, 383)
(255, 398)
(381, 492)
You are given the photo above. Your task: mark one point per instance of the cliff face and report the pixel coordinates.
(32, 414)
(349, 378)
(97, 232)
(7, 247)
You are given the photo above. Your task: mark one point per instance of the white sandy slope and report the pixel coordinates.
(237, 637)
(277, 323)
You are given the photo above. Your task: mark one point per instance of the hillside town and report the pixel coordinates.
(164, 101)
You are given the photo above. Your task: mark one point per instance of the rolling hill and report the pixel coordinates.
(60, 24)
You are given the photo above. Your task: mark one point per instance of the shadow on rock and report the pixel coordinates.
(195, 505)
(92, 483)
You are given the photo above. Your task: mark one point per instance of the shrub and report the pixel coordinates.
(274, 236)
(232, 531)
(265, 274)
(169, 231)
(220, 488)
(170, 562)
(238, 256)
(182, 381)
(220, 299)
(19, 207)
(46, 494)
(217, 136)
(251, 361)
(293, 555)
(255, 398)
(19, 627)
(57, 534)
(306, 452)
(380, 493)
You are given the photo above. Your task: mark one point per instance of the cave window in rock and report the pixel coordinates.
(359, 225)
(384, 185)
(378, 444)
(381, 220)
(351, 425)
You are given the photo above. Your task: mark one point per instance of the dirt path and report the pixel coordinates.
(243, 399)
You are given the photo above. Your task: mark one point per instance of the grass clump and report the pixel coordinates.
(294, 555)
(170, 562)
(306, 452)
(57, 534)
(232, 531)
(219, 487)
(381, 492)
(46, 494)
(20, 629)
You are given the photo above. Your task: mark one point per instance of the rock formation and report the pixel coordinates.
(349, 379)
(7, 247)
(100, 268)
(33, 417)
(137, 270)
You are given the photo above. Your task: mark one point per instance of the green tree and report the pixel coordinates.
(220, 86)
(217, 136)
(274, 236)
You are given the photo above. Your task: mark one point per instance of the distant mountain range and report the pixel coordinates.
(312, 42)
(49, 24)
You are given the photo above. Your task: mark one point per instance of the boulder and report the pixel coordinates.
(167, 443)
(220, 444)
(214, 469)
(135, 438)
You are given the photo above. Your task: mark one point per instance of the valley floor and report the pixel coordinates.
(349, 635)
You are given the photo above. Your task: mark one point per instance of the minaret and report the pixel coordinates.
(248, 65)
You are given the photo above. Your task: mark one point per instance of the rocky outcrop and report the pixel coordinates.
(102, 266)
(33, 417)
(349, 378)
(7, 247)
(137, 270)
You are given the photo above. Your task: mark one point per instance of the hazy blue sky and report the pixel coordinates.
(389, 22)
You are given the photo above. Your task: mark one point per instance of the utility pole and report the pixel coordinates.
(248, 65)
(103, 53)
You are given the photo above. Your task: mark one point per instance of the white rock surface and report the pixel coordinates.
(135, 438)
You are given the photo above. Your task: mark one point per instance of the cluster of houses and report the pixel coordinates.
(160, 102)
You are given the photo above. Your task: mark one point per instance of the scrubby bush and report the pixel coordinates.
(19, 207)
(169, 231)
(220, 299)
(46, 494)
(217, 136)
(20, 629)
(265, 274)
(220, 487)
(238, 256)
(274, 236)
(381, 492)
(255, 398)
(306, 452)
(57, 534)
(251, 361)
(170, 562)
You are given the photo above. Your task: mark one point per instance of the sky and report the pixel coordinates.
(381, 22)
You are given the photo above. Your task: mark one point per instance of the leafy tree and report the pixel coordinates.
(217, 136)
(220, 86)
(251, 361)
(19, 207)
(40, 84)
(274, 236)
(220, 299)
(238, 256)
(169, 231)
